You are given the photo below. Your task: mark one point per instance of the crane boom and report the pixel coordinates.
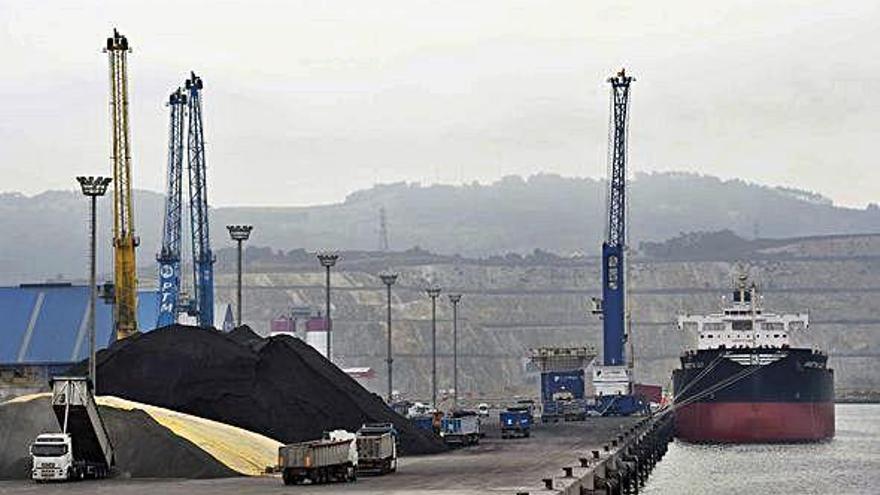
(613, 249)
(169, 255)
(203, 257)
(124, 239)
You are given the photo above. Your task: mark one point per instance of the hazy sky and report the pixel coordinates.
(307, 101)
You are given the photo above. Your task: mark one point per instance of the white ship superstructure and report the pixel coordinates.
(743, 324)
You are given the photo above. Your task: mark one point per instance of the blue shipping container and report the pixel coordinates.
(559, 383)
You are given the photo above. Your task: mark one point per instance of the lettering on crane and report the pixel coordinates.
(166, 274)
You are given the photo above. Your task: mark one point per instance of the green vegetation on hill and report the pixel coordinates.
(47, 233)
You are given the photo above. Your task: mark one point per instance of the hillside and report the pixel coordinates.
(47, 233)
(511, 304)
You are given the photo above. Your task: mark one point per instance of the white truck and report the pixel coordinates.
(377, 448)
(333, 458)
(82, 449)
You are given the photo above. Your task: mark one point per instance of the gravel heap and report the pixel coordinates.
(143, 447)
(279, 387)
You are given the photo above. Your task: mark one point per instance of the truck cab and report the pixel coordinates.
(52, 457)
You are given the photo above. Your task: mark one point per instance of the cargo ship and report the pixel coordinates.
(745, 383)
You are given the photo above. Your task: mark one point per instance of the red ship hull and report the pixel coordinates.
(755, 422)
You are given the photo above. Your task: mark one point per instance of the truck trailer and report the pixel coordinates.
(516, 422)
(377, 449)
(82, 448)
(462, 428)
(562, 393)
(330, 459)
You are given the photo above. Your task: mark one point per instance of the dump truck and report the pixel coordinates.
(462, 428)
(377, 449)
(82, 448)
(333, 458)
(516, 422)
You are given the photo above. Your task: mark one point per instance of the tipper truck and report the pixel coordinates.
(377, 449)
(333, 458)
(82, 449)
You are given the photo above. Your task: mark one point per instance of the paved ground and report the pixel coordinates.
(495, 466)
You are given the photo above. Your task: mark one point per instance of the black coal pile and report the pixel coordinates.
(279, 386)
(143, 448)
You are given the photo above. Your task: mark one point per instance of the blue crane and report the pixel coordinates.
(203, 257)
(613, 249)
(186, 105)
(169, 255)
(612, 381)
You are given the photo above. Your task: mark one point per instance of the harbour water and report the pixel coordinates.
(849, 464)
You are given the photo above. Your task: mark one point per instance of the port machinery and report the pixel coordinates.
(124, 239)
(613, 380)
(185, 105)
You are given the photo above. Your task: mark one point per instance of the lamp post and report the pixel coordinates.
(93, 187)
(327, 261)
(388, 279)
(239, 234)
(454, 299)
(433, 293)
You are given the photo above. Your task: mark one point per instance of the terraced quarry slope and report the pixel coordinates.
(510, 305)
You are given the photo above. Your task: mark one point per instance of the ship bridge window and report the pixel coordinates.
(742, 325)
(773, 325)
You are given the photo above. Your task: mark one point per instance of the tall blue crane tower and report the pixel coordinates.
(201, 304)
(613, 380)
(203, 257)
(613, 249)
(169, 253)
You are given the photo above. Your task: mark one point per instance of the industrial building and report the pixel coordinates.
(45, 330)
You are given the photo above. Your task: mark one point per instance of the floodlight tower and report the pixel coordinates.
(93, 187)
(328, 260)
(239, 234)
(389, 278)
(433, 292)
(455, 299)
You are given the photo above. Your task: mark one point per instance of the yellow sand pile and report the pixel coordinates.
(241, 450)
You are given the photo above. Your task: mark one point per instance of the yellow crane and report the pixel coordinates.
(124, 240)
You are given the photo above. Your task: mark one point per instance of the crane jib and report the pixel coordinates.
(124, 239)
